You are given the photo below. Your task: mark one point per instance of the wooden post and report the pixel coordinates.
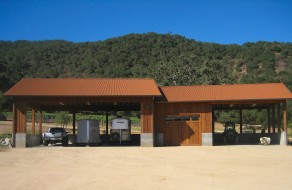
(21, 119)
(33, 121)
(278, 118)
(147, 117)
(74, 122)
(273, 119)
(240, 118)
(147, 129)
(15, 119)
(269, 120)
(14, 124)
(41, 122)
(285, 117)
(213, 125)
(106, 122)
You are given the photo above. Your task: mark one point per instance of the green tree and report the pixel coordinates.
(63, 118)
(2, 101)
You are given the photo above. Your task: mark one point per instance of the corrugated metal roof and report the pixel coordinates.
(236, 92)
(84, 87)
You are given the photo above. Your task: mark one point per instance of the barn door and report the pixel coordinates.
(182, 131)
(171, 137)
(190, 133)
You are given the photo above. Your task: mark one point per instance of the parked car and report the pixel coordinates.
(55, 135)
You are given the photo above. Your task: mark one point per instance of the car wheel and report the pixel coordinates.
(65, 142)
(46, 143)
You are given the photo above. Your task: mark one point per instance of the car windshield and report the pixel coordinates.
(57, 130)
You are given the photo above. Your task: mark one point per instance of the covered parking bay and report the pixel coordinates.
(273, 123)
(180, 101)
(77, 95)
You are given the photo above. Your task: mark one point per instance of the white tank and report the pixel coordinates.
(88, 132)
(120, 123)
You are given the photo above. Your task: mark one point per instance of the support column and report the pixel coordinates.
(213, 126)
(106, 123)
(240, 121)
(269, 120)
(19, 126)
(33, 121)
(278, 118)
(273, 119)
(284, 134)
(14, 124)
(41, 122)
(74, 122)
(285, 116)
(147, 136)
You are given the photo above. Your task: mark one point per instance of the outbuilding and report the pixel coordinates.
(175, 115)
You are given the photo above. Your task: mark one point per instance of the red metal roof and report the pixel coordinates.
(84, 87)
(235, 92)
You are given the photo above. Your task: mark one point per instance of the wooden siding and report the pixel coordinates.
(182, 132)
(147, 117)
(19, 119)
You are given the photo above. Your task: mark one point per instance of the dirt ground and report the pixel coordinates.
(221, 167)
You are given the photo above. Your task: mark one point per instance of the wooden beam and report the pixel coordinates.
(240, 121)
(41, 122)
(74, 122)
(247, 102)
(21, 119)
(106, 122)
(269, 120)
(213, 125)
(278, 118)
(273, 119)
(147, 117)
(285, 116)
(15, 119)
(33, 121)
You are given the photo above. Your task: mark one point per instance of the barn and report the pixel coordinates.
(170, 116)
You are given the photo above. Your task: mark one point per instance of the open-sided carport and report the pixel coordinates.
(174, 111)
(82, 94)
(174, 115)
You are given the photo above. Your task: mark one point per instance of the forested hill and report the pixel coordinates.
(169, 59)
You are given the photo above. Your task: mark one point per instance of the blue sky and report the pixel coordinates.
(224, 22)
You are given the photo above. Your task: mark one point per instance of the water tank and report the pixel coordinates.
(88, 132)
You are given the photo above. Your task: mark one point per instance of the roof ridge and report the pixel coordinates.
(223, 85)
(92, 78)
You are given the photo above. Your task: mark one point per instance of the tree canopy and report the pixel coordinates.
(169, 59)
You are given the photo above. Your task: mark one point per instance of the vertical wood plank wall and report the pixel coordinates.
(163, 109)
(19, 119)
(147, 117)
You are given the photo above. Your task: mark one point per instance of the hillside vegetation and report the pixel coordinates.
(169, 59)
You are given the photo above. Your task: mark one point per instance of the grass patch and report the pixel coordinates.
(3, 136)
